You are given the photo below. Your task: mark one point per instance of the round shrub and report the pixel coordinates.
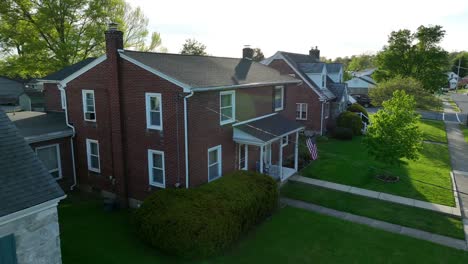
(202, 221)
(357, 108)
(350, 120)
(343, 133)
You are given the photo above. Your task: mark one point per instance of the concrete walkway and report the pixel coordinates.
(419, 234)
(453, 211)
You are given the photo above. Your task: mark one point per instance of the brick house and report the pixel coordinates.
(321, 96)
(145, 121)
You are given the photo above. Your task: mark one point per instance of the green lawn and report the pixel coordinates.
(454, 105)
(433, 130)
(465, 132)
(347, 162)
(89, 235)
(463, 91)
(390, 212)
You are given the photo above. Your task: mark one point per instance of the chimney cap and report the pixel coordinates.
(112, 26)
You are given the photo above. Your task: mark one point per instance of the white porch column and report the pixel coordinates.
(296, 150)
(280, 163)
(261, 159)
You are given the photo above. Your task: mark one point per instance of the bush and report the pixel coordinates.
(357, 108)
(343, 133)
(202, 221)
(350, 120)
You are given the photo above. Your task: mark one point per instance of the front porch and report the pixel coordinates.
(265, 143)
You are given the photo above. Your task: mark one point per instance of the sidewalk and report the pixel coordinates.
(423, 235)
(454, 211)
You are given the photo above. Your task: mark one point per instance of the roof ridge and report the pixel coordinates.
(185, 55)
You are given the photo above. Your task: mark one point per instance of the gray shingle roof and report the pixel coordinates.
(208, 71)
(67, 71)
(312, 67)
(334, 67)
(24, 180)
(269, 128)
(337, 89)
(32, 124)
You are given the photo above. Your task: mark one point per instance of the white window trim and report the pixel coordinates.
(220, 162)
(59, 161)
(233, 106)
(282, 98)
(283, 144)
(84, 92)
(151, 166)
(148, 97)
(301, 109)
(88, 155)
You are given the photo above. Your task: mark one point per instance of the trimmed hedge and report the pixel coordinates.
(343, 133)
(350, 120)
(357, 108)
(202, 221)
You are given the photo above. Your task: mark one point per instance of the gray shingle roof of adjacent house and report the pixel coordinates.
(208, 71)
(269, 128)
(337, 89)
(24, 180)
(33, 125)
(67, 71)
(334, 67)
(312, 67)
(10, 90)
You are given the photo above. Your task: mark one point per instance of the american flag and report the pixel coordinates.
(312, 146)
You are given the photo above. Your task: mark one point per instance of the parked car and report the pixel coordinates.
(362, 99)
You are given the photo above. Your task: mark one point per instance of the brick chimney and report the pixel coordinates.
(315, 52)
(114, 42)
(247, 52)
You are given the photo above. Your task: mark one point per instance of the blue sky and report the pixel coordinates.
(338, 28)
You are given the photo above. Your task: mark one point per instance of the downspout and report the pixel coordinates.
(62, 90)
(186, 140)
(321, 121)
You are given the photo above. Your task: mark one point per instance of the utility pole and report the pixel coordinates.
(458, 74)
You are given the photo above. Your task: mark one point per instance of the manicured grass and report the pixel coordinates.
(454, 105)
(385, 211)
(465, 132)
(348, 162)
(433, 130)
(89, 235)
(462, 91)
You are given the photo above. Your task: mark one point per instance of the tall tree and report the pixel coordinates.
(41, 36)
(460, 60)
(361, 62)
(193, 47)
(258, 55)
(416, 55)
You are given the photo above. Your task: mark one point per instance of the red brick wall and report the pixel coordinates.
(301, 94)
(52, 97)
(65, 159)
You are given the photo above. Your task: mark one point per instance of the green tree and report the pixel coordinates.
(462, 58)
(361, 62)
(384, 91)
(193, 47)
(39, 37)
(258, 55)
(416, 55)
(394, 133)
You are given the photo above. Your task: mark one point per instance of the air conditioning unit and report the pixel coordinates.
(90, 116)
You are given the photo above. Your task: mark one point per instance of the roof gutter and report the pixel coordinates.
(239, 86)
(61, 87)
(186, 140)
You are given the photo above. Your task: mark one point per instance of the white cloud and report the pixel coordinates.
(338, 27)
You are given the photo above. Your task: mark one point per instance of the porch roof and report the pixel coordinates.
(264, 130)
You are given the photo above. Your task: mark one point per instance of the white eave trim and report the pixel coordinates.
(79, 72)
(280, 56)
(184, 86)
(248, 85)
(30, 210)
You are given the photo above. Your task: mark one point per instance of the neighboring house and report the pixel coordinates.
(32, 99)
(316, 101)
(29, 228)
(361, 82)
(145, 121)
(51, 139)
(10, 90)
(19, 94)
(452, 80)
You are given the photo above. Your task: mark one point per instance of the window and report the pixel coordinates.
(8, 249)
(89, 107)
(301, 111)
(279, 98)
(92, 150)
(50, 156)
(62, 99)
(227, 107)
(156, 168)
(153, 111)
(323, 81)
(284, 141)
(214, 163)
